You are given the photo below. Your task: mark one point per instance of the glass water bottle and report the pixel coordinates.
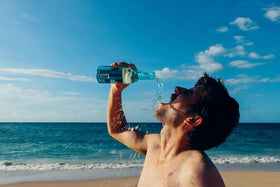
(123, 74)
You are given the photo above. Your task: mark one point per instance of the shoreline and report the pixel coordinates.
(231, 179)
(253, 174)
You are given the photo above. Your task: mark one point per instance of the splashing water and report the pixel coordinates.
(158, 95)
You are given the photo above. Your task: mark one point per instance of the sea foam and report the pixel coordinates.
(47, 166)
(241, 159)
(17, 166)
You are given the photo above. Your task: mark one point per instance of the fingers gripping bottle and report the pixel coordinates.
(123, 74)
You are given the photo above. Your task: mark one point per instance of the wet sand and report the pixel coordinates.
(231, 179)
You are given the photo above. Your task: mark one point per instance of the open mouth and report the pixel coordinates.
(173, 97)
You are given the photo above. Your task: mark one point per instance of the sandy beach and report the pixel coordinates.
(231, 178)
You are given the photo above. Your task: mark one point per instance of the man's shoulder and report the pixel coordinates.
(198, 160)
(200, 167)
(195, 156)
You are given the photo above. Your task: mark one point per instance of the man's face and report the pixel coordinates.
(180, 103)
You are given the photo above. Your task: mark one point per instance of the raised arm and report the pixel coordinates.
(117, 124)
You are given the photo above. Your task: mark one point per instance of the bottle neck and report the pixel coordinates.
(144, 75)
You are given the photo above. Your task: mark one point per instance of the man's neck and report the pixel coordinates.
(173, 142)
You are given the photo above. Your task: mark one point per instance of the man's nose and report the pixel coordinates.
(179, 90)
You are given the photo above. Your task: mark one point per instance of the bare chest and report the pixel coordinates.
(160, 174)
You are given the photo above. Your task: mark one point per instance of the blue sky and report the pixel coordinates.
(50, 50)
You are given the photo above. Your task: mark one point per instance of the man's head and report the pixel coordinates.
(207, 108)
(179, 107)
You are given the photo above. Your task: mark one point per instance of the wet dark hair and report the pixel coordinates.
(219, 113)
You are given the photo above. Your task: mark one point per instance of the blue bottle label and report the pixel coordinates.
(104, 76)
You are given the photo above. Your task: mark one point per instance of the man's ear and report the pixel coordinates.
(193, 121)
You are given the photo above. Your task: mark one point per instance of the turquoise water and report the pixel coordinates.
(56, 146)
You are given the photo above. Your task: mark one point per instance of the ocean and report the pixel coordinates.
(30, 149)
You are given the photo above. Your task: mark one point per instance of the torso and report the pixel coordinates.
(157, 173)
(183, 170)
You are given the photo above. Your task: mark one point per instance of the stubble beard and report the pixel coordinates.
(168, 117)
(160, 114)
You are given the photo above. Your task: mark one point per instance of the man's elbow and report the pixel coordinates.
(112, 132)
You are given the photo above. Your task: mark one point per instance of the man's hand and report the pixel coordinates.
(118, 86)
(123, 64)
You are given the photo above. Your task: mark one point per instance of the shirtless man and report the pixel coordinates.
(195, 120)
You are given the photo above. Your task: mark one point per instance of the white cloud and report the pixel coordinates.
(27, 17)
(239, 39)
(12, 79)
(222, 29)
(248, 43)
(206, 63)
(48, 73)
(24, 104)
(245, 79)
(270, 80)
(273, 13)
(192, 73)
(244, 24)
(166, 73)
(265, 80)
(237, 51)
(241, 79)
(256, 56)
(244, 64)
(277, 79)
(17, 93)
(70, 93)
(215, 50)
(238, 89)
